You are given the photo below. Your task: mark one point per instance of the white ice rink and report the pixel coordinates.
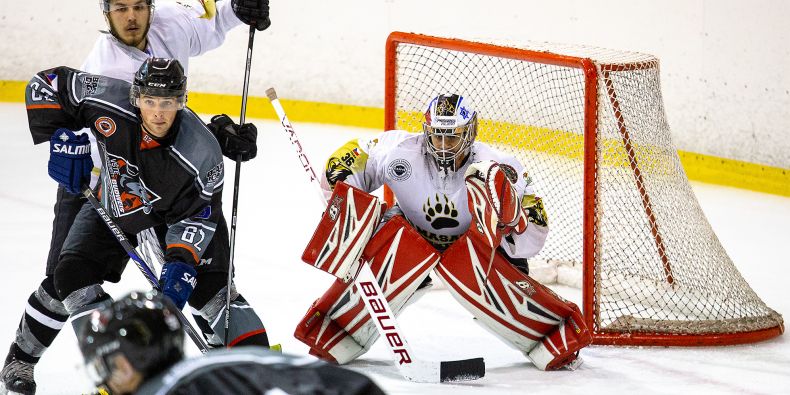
(277, 214)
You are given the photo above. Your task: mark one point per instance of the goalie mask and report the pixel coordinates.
(450, 128)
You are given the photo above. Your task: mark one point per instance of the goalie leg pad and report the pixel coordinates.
(338, 327)
(515, 307)
(348, 223)
(560, 348)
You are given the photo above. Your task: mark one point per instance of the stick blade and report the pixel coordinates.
(462, 370)
(421, 371)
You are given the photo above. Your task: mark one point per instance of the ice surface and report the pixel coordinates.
(277, 214)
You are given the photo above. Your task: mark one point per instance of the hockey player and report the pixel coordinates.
(135, 33)
(134, 345)
(160, 167)
(464, 209)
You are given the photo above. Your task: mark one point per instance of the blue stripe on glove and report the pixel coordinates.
(70, 162)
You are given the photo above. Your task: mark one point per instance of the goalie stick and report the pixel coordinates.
(141, 264)
(412, 369)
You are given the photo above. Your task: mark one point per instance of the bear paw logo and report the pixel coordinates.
(441, 213)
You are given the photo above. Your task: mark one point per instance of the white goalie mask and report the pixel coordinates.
(450, 128)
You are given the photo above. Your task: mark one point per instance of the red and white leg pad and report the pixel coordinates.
(560, 348)
(519, 310)
(349, 221)
(337, 327)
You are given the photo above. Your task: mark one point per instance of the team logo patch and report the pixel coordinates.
(444, 107)
(92, 85)
(336, 170)
(399, 170)
(440, 213)
(214, 174)
(204, 214)
(536, 213)
(127, 191)
(527, 178)
(105, 126)
(334, 208)
(53, 81)
(526, 286)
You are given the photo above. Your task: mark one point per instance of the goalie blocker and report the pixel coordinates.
(520, 311)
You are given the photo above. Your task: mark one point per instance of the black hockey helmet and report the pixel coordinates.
(159, 77)
(143, 327)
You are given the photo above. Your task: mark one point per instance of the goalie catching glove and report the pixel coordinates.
(493, 200)
(234, 140)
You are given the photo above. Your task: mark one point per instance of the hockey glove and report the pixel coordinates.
(70, 162)
(177, 282)
(252, 12)
(497, 183)
(234, 140)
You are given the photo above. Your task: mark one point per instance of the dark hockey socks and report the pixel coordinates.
(42, 321)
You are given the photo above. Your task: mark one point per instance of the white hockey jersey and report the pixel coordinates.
(176, 32)
(434, 202)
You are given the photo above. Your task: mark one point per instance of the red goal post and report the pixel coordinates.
(589, 126)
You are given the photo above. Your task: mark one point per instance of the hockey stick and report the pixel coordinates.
(141, 264)
(234, 212)
(376, 302)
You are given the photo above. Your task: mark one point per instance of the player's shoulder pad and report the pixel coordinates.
(110, 93)
(199, 150)
(79, 87)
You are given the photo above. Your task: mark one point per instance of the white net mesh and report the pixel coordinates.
(658, 266)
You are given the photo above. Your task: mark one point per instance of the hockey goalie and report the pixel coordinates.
(465, 211)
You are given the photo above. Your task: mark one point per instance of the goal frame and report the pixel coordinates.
(592, 78)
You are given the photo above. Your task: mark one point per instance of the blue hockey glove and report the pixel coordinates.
(177, 282)
(70, 162)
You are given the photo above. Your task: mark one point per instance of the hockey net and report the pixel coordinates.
(589, 126)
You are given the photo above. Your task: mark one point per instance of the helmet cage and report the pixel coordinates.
(454, 143)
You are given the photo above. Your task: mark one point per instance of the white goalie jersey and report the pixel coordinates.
(434, 202)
